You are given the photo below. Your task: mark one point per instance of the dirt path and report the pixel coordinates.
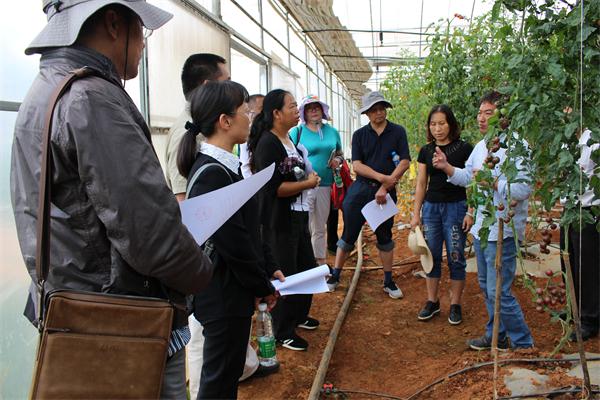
(384, 348)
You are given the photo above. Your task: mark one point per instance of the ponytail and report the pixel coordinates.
(186, 154)
(208, 102)
(256, 131)
(263, 122)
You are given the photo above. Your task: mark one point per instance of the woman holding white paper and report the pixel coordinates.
(285, 202)
(243, 263)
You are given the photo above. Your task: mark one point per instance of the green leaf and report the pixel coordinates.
(585, 33)
(570, 128)
(565, 158)
(514, 61)
(556, 71)
(496, 10)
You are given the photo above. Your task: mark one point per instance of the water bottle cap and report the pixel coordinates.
(262, 306)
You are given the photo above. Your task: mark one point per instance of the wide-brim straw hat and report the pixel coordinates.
(66, 17)
(418, 245)
(372, 98)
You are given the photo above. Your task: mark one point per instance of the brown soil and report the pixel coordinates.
(383, 348)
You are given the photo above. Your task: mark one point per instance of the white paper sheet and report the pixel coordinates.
(306, 282)
(204, 214)
(376, 214)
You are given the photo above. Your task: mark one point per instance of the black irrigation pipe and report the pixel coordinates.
(383, 395)
(477, 366)
(485, 364)
(576, 389)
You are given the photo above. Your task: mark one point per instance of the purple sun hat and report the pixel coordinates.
(311, 98)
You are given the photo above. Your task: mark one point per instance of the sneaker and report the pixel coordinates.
(294, 343)
(429, 310)
(333, 282)
(485, 343)
(309, 324)
(393, 291)
(455, 316)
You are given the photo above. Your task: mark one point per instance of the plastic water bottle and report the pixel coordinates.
(395, 158)
(265, 337)
(299, 173)
(337, 177)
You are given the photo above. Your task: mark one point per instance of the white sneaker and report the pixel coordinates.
(332, 283)
(393, 291)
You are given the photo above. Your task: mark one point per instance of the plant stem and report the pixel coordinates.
(497, 302)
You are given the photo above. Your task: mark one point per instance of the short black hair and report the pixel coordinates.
(492, 97)
(199, 68)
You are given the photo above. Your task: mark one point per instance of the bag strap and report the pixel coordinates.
(199, 172)
(298, 135)
(42, 259)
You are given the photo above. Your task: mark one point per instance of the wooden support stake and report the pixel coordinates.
(499, 244)
(317, 384)
(573, 303)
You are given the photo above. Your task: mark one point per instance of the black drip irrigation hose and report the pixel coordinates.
(484, 364)
(343, 392)
(576, 389)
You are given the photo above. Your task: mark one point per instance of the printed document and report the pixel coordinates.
(307, 282)
(204, 214)
(376, 214)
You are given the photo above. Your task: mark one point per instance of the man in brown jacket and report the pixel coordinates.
(115, 224)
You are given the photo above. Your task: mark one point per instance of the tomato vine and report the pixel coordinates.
(544, 57)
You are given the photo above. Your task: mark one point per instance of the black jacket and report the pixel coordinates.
(243, 260)
(275, 211)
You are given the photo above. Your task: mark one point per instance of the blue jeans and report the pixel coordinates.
(512, 321)
(442, 222)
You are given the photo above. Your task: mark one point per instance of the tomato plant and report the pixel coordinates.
(544, 57)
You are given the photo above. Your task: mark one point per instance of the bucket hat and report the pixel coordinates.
(372, 98)
(311, 98)
(418, 245)
(65, 18)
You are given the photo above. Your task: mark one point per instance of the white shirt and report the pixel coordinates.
(519, 191)
(245, 159)
(587, 166)
(176, 182)
(305, 199)
(225, 157)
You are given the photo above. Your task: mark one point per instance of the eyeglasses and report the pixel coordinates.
(146, 32)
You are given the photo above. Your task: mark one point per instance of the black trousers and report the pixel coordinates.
(293, 252)
(332, 228)
(225, 343)
(586, 277)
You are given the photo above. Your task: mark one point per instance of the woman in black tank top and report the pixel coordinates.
(442, 207)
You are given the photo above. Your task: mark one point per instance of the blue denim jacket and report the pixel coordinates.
(519, 191)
